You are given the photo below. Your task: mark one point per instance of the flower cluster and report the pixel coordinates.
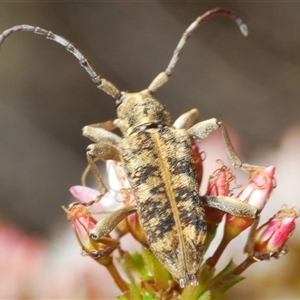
(146, 277)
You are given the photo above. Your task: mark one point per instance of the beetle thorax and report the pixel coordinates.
(141, 110)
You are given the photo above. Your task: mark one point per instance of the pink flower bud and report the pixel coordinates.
(270, 238)
(259, 188)
(256, 193)
(218, 182)
(218, 185)
(83, 223)
(109, 202)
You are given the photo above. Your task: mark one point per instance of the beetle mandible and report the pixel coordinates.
(158, 162)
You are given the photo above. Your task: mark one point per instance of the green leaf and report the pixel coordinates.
(206, 295)
(160, 274)
(134, 266)
(147, 296)
(135, 293)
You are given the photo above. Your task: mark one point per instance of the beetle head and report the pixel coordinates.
(140, 110)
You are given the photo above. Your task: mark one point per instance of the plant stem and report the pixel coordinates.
(122, 285)
(243, 266)
(212, 261)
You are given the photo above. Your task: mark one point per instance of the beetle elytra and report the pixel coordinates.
(158, 161)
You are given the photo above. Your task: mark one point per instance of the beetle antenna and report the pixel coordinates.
(101, 83)
(163, 77)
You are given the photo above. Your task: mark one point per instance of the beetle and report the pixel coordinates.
(158, 161)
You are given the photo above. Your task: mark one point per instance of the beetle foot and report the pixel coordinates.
(189, 279)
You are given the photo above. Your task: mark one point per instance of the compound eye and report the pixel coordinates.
(118, 102)
(121, 98)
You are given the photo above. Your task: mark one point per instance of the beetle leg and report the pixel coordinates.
(237, 208)
(231, 206)
(108, 223)
(108, 241)
(228, 204)
(249, 247)
(101, 132)
(105, 148)
(235, 160)
(201, 130)
(187, 120)
(100, 151)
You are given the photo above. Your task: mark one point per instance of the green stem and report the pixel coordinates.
(243, 266)
(211, 233)
(212, 261)
(122, 285)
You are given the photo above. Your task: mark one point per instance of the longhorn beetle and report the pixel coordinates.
(158, 162)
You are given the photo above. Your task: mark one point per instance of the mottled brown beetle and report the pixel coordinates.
(159, 164)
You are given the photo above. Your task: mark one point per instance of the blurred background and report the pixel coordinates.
(252, 84)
